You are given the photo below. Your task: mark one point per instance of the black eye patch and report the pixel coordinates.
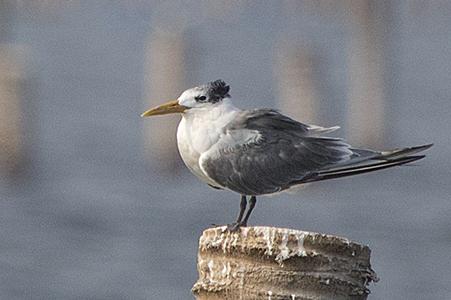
(200, 98)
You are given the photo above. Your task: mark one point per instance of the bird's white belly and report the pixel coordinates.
(191, 154)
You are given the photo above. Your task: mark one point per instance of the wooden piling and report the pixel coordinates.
(277, 263)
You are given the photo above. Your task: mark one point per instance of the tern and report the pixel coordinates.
(261, 151)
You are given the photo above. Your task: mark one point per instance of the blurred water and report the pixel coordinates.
(88, 217)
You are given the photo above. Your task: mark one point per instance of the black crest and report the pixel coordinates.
(217, 90)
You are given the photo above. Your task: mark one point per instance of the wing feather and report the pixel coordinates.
(285, 151)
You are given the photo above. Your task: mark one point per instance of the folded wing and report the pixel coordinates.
(263, 152)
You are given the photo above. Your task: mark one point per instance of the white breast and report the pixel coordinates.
(199, 131)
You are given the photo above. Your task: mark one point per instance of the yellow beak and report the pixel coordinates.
(164, 109)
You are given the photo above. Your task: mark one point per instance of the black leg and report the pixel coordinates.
(236, 225)
(252, 203)
(243, 205)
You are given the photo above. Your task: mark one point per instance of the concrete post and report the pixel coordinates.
(277, 263)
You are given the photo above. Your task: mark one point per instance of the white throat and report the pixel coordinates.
(200, 129)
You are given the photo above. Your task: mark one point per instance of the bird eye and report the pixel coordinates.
(201, 98)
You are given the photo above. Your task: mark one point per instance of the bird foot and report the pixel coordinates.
(234, 227)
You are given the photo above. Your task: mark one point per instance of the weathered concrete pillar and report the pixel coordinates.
(276, 263)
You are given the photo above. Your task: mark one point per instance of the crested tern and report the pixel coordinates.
(261, 151)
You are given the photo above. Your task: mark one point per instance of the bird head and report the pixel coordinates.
(197, 97)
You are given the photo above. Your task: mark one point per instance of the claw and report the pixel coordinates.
(234, 227)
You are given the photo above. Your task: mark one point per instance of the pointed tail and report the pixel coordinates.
(403, 152)
(384, 160)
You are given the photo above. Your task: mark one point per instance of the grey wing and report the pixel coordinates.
(283, 152)
(273, 120)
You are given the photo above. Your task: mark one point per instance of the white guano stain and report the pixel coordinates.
(268, 235)
(222, 239)
(301, 250)
(286, 252)
(225, 238)
(269, 295)
(244, 232)
(211, 272)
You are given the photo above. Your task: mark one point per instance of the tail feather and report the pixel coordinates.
(365, 161)
(403, 152)
(360, 169)
(364, 156)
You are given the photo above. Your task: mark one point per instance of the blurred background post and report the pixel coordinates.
(164, 79)
(296, 91)
(11, 81)
(12, 75)
(366, 107)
